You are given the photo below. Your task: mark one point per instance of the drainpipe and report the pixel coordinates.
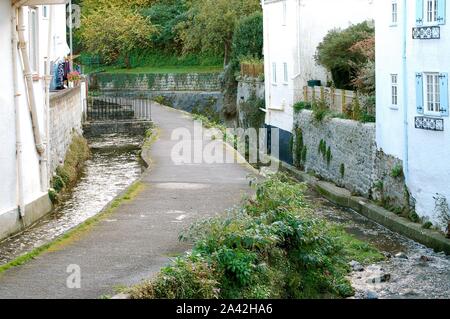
(29, 83)
(405, 94)
(19, 160)
(48, 79)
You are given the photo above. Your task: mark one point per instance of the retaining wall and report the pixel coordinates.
(66, 113)
(345, 152)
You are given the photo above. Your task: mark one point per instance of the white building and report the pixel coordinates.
(32, 34)
(412, 67)
(292, 31)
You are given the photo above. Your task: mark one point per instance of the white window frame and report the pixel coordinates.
(432, 93)
(394, 13)
(430, 12)
(394, 91)
(33, 38)
(284, 21)
(274, 73)
(285, 73)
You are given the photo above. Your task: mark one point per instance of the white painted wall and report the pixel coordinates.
(31, 167)
(308, 21)
(7, 126)
(429, 153)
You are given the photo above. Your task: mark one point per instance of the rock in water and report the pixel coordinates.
(371, 295)
(401, 256)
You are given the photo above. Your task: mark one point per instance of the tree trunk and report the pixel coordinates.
(127, 61)
(226, 55)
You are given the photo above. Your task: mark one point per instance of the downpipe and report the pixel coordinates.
(405, 95)
(19, 155)
(40, 147)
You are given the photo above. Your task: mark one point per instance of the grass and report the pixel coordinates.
(77, 232)
(158, 69)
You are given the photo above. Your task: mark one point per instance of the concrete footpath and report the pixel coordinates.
(139, 238)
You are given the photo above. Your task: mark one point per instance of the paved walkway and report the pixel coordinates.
(139, 238)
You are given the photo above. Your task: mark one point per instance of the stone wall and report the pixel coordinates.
(66, 113)
(195, 92)
(345, 152)
(248, 88)
(207, 82)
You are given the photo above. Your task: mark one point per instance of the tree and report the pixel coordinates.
(166, 15)
(113, 29)
(248, 37)
(211, 23)
(337, 53)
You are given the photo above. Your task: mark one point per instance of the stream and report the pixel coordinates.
(115, 164)
(410, 270)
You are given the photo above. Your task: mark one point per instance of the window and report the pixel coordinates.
(274, 73)
(431, 10)
(285, 69)
(394, 9)
(284, 12)
(432, 93)
(33, 42)
(394, 90)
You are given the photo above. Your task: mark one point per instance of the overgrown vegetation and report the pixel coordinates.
(271, 247)
(253, 116)
(68, 173)
(345, 52)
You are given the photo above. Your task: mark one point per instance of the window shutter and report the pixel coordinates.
(441, 12)
(419, 12)
(419, 93)
(443, 79)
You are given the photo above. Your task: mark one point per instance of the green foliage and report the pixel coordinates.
(320, 110)
(329, 156)
(112, 30)
(67, 174)
(336, 54)
(300, 150)
(189, 278)
(299, 106)
(271, 247)
(397, 171)
(427, 225)
(248, 37)
(342, 170)
(211, 24)
(252, 112)
(166, 15)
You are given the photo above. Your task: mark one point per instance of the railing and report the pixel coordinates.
(337, 100)
(113, 108)
(341, 101)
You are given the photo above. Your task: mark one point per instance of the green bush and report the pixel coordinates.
(299, 106)
(335, 53)
(271, 247)
(248, 37)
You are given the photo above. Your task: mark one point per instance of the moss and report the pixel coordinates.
(427, 225)
(78, 231)
(67, 175)
(397, 171)
(329, 156)
(342, 170)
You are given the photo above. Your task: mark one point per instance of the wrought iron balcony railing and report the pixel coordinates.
(426, 33)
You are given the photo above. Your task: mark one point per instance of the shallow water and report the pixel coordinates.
(424, 274)
(115, 164)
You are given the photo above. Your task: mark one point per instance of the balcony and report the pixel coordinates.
(426, 33)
